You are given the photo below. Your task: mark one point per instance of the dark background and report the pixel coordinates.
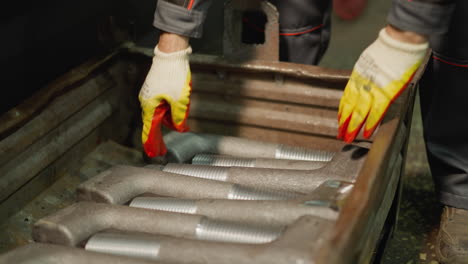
(43, 39)
(40, 40)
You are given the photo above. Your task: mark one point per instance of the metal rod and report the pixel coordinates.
(272, 213)
(176, 205)
(182, 147)
(296, 153)
(231, 161)
(73, 224)
(50, 148)
(120, 184)
(345, 166)
(118, 244)
(235, 232)
(298, 243)
(34, 253)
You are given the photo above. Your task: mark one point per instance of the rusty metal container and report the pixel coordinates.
(346, 201)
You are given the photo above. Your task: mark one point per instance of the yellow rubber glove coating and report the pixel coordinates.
(178, 107)
(380, 75)
(165, 98)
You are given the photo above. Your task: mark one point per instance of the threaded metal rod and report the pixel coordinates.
(235, 233)
(231, 161)
(223, 161)
(147, 246)
(239, 192)
(182, 147)
(175, 205)
(296, 153)
(124, 245)
(212, 173)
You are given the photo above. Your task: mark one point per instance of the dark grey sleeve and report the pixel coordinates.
(425, 17)
(183, 17)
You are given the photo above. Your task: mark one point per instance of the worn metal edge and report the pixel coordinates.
(286, 68)
(345, 244)
(17, 116)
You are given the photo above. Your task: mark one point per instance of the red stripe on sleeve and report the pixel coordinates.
(190, 5)
(450, 63)
(303, 32)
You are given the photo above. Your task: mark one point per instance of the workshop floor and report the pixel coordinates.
(413, 240)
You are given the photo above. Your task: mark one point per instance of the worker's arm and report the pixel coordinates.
(165, 94)
(425, 17)
(182, 17)
(386, 67)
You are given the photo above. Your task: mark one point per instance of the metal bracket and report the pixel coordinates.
(233, 48)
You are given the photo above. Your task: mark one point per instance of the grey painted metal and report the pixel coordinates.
(298, 243)
(232, 161)
(74, 224)
(120, 184)
(119, 244)
(182, 147)
(345, 165)
(39, 253)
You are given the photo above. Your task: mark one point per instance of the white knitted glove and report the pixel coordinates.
(165, 98)
(381, 73)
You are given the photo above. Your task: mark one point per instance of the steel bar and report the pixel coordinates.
(35, 253)
(182, 147)
(251, 132)
(345, 165)
(298, 244)
(333, 77)
(272, 115)
(50, 148)
(264, 86)
(118, 244)
(53, 116)
(232, 161)
(120, 184)
(19, 115)
(323, 203)
(76, 223)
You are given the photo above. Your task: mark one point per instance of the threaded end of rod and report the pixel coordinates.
(211, 173)
(124, 245)
(239, 192)
(296, 153)
(235, 233)
(175, 205)
(223, 161)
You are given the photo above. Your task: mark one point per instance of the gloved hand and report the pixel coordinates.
(165, 98)
(379, 76)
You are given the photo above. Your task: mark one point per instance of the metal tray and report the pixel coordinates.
(46, 150)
